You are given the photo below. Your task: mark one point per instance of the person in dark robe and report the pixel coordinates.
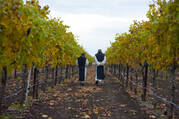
(82, 62)
(100, 60)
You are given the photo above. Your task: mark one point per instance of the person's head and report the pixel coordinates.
(99, 51)
(83, 54)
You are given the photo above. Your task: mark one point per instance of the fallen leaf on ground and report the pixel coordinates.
(69, 89)
(55, 94)
(125, 111)
(52, 102)
(96, 110)
(152, 116)
(44, 116)
(122, 105)
(87, 116)
(133, 112)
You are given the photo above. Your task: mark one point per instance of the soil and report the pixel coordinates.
(70, 100)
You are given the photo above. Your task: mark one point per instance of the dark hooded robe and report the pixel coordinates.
(100, 61)
(82, 62)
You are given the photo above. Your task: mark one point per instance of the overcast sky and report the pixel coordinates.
(97, 21)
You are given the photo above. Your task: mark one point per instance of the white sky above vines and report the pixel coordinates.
(97, 21)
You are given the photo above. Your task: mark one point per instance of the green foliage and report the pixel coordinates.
(28, 36)
(155, 41)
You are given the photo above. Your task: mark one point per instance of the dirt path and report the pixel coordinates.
(72, 101)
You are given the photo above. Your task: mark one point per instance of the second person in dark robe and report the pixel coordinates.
(100, 61)
(82, 62)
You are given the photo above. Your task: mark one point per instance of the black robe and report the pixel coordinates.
(81, 65)
(100, 69)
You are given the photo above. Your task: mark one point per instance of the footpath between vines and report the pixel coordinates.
(69, 100)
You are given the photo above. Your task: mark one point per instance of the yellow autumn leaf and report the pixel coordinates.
(44, 116)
